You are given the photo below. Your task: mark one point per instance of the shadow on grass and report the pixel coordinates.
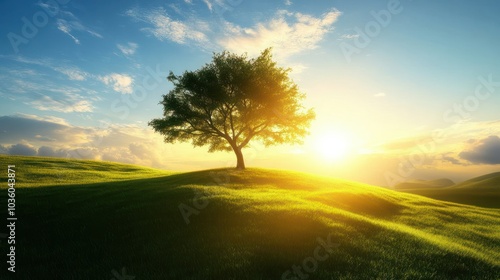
(85, 231)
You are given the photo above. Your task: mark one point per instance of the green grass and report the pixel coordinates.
(489, 181)
(46, 171)
(253, 224)
(483, 191)
(417, 184)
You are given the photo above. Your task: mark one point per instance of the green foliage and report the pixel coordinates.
(231, 101)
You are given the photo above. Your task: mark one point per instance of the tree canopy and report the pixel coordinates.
(231, 101)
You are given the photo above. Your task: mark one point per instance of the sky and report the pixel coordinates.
(402, 89)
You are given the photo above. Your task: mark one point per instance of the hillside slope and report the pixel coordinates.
(483, 191)
(255, 224)
(48, 171)
(419, 184)
(488, 181)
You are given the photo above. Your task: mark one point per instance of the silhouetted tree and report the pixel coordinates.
(231, 101)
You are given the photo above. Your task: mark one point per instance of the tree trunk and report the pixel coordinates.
(239, 157)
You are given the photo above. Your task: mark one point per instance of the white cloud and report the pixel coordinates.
(65, 103)
(166, 28)
(48, 92)
(35, 61)
(51, 119)
(219, 6)
(349, 36)
(208, 3)
(43, 94)
(120, 82)
(128, 49)
(72, 23)
(288, 2)
(449, 139)
(288, 33)
(380, 94)
(65, 27)
(297, 67)
(35, 135)
(72, 73)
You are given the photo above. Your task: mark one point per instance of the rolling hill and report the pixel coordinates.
(418, 184)
(98, 220)
(483, 191)
(486, 182)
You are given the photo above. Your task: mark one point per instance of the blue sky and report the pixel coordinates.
(82, 79)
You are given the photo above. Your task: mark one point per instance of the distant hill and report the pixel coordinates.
(489, 181)
(100, 220)
(481, 191)
(418, 184)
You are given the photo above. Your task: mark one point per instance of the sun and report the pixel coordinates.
(332, 146)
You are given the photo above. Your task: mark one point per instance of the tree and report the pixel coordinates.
(232, 100)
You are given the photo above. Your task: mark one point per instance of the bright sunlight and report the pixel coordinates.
(332, 146)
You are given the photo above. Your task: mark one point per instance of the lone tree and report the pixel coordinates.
(231, 101)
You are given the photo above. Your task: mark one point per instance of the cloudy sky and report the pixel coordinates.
(402, 89)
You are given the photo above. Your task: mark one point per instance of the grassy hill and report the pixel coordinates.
(257, 224)
(419, 184)
(487, 182)
(483, 191)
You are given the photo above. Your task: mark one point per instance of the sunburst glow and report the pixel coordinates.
(332, 146)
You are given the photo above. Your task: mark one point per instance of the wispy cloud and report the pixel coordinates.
(47, 92)
(68, 23)
(380, 94)
(288, 2)
(166, 28)
(349, 36)
(447, 143)
(52, 119)
(120, 82)
(65, 27)
(128, 49)
(288, 33)
(50, 97)
(65, 103)
(220, 6)
(20, 73)
(71, 72)
(209, 4)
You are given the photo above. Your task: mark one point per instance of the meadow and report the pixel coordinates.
(100, 220)
(483, 191)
